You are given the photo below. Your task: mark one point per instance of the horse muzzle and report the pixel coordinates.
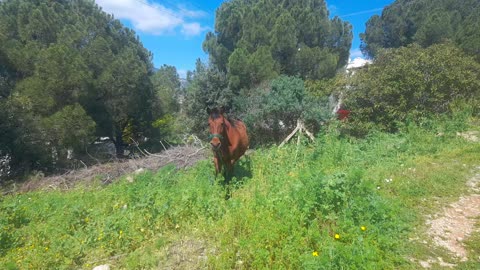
(215, 145)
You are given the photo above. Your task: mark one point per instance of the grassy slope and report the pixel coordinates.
(287, 206)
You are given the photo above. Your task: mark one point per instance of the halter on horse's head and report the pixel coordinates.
(217, 125)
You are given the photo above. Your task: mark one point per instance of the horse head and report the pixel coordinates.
(216, 122)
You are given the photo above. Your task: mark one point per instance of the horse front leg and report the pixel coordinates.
(218, 166)
(228, 171)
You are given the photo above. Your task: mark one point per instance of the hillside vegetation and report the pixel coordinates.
(70, 73)
(356, 198)
(338, 203)
(426, 22)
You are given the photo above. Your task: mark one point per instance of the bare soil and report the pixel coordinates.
(185, 254)
(451, 226)
(454, 224)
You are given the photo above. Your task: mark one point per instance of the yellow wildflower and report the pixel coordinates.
(315, 253)
(337, 236)
(363, 228)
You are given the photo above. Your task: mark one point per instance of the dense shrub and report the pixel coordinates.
(272, 110)
(413, 83)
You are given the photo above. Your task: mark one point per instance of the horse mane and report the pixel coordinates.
(215, 115)
(231, 119)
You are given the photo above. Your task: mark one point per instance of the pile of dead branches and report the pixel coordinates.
(180, 156)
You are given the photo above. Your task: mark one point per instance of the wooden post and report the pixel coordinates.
(299, 128)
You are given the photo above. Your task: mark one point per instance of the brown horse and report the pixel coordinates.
(228, 139)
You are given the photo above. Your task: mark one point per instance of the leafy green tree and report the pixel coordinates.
(436, 28)
(316, 62)
(373, 39)
(69, 129)
(413, 83)
(8, 131)
(168, 92)
(278, 29)
(166, 83)
(238, 69)
(285, 100)
(425, 22)
(262, 66)
(7, 77)
(124, 98)
(271, 110)
(284, 42)
(340, 42)
(69, 71)
(208, 88)
(246, 70)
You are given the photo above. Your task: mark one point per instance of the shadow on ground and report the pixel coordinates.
(242, 173)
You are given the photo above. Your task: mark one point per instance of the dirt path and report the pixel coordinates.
(457, 221)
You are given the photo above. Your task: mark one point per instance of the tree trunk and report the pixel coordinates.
(119, 145)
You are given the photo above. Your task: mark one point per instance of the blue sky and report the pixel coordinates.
(174, 30)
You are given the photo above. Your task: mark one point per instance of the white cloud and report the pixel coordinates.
(154, 18)
(192, 29)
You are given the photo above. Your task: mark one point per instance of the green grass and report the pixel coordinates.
(285, 205)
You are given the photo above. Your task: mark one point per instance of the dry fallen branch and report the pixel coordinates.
(137, 146)
(181, 156)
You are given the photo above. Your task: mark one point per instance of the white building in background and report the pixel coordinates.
(336, 101)
(357, 63)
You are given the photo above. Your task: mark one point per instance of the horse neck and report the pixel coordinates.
(228, 128)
